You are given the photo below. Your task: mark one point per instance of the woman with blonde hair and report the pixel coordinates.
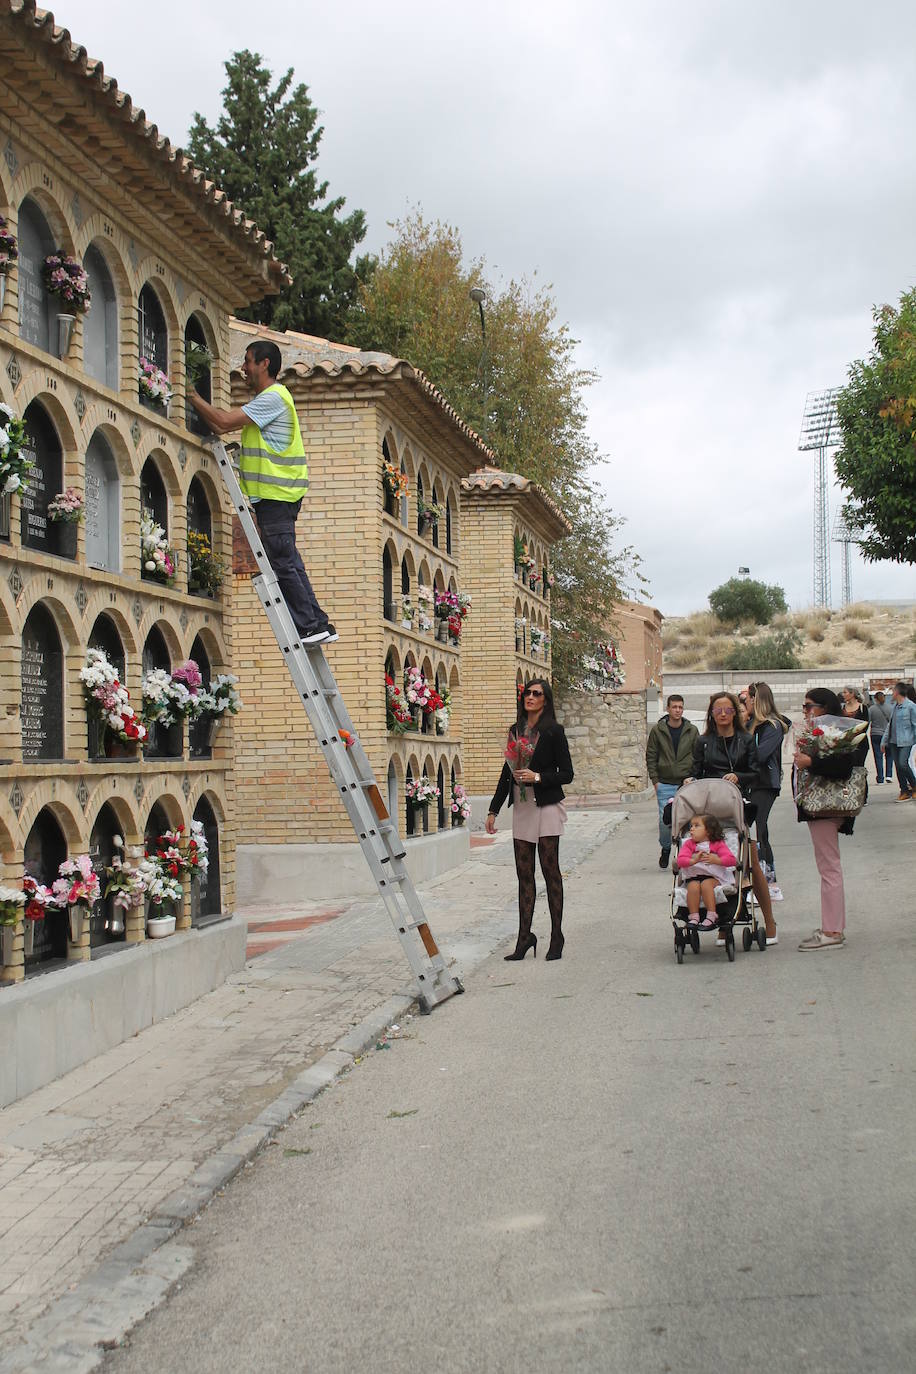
(768, 728)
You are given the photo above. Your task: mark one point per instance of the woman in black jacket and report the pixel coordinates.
(538, 818)
(825, 831)
(726, 751)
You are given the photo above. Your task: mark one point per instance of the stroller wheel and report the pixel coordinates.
(747, 938)
(730, 946)
(761, 937)
(695, 941)
(679, 948)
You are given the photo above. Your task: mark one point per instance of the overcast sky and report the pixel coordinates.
(718, 194)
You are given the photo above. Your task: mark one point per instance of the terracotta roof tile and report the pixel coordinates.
(38, 25)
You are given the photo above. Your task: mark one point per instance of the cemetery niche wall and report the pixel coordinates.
(166, 259)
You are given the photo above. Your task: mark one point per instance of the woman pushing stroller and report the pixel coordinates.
(706, 861)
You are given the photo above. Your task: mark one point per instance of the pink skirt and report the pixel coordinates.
(530, 821)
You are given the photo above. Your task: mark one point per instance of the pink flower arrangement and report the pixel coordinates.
(189, 674)
(65, 277)
(154, 384)
(68, 505)
(78, 882)
(108, 699)
(9, 247)
(417, 688)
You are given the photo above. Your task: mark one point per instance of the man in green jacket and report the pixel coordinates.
(274, 475)
(669, 759)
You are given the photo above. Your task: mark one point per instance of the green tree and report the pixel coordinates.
(743, 598)
(877, 461)
(521, 390)
(777, 650)
(262, 153)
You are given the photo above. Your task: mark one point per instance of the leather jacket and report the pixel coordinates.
(715, 755)
(550, 759)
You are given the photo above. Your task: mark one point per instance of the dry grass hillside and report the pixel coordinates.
(861, 635)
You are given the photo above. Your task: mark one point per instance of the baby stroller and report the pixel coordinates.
(735, 902)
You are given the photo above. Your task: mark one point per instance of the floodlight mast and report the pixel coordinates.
(845, 535)
(821, 431)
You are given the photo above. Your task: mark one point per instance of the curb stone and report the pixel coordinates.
(73, 1336)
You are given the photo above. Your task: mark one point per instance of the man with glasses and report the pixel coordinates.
(669, 759)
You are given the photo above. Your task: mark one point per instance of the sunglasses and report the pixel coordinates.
(723, 710)
(533, 692)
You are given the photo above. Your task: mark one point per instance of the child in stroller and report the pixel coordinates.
(733, 896)
(706, 862)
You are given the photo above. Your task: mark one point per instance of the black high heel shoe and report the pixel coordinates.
(556, 948)
(521, 950)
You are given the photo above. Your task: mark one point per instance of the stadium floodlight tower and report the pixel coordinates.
(845, 535)
(821, 431)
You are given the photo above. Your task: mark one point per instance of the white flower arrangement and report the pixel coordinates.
(220, 698)
(12, 905)
(199, 849)
(109, 699)
(166, 701)
(159, 885)
(420, 791)
(15, 460)
(156, 555)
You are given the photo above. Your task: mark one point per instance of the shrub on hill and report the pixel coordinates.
(743, 598)
(777, 650)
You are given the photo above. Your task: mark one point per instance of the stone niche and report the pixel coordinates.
(42, 710)
(44, 480)
(35, 243)
(103, 506)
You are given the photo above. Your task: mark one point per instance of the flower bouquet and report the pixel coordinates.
(830, 735)
(198, 849)
(12, 901)
(14, 461)
(9, 247)
(67, 506)
(425, 604)
(169, 698)
(66, 278)
(397, 713)
(430, 512)
(394, 480)
(76, 887)
(519, 749)
(108, 701)
(421, 791)
(154, 385)
(157, 559)
(125, 887)
(198, 361)
(205, 572)
(408, 611)
(418, 690)
(460, 806)
(220, 698)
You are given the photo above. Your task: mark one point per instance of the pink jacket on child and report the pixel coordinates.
(690, 855)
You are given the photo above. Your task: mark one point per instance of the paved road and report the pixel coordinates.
(605, 1164)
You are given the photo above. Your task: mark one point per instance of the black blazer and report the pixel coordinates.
(550, 759)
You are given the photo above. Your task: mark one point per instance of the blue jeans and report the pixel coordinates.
(879, 757)
(663, 794)
(277, 528)
(904, 771)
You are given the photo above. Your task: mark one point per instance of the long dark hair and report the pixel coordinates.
(548, 713)
(822, 696)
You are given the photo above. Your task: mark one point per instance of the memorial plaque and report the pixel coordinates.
(34, 247)
(43, 482)
(42, 710)
(102, 504)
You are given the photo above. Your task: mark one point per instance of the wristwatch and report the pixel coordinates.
(537, 777)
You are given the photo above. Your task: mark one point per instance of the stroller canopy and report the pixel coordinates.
(708, 796)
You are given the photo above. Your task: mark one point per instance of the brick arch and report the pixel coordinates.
(392, 651)
(28, 183)
(393, 449)
(149, 447)
(203, 789)
(153, 620)
(117, 435)
(413, 763)
(36, 592)
(100, 604)
(33, 388)
(9, 614)
(212, 642)
(124, 808)
(164, 287)
(174, 809)
(410, 464)
(47, 794)
(397, 762)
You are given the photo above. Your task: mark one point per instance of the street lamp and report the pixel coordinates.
(479, 296)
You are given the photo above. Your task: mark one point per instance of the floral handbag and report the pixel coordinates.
(830, 798)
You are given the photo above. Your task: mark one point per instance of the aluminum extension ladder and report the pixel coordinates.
(349, 767)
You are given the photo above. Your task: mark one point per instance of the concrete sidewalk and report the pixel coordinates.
(144, 1134)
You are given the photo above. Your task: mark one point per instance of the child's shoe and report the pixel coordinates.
(709, 923)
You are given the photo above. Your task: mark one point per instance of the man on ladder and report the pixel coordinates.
(274, 475)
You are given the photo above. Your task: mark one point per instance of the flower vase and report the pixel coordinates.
(65, 325)
(2, 291)
(76, 913)
(28, 937)
(66, 535)
(6, 944)
(442, 631)
(417, 714)
(117, 748)
(160, 924)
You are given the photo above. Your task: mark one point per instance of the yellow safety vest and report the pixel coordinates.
(269, 474)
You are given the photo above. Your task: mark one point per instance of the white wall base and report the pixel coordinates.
(54, 1022)
(324, 872)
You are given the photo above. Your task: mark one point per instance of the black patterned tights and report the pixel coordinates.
(548, 849)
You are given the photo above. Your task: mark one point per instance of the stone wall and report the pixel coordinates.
(607, 740)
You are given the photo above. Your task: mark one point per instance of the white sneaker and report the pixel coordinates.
(775, 892)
